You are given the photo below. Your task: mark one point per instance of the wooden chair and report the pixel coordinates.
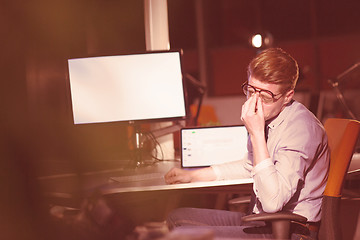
(342, 135)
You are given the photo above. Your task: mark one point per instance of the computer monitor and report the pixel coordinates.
(129, 88)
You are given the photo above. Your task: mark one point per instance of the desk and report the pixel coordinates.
(152, 200)
(140, 201)
(223, 185)
(160, 185)
(63, 188)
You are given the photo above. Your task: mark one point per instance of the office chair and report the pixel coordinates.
(342, 137)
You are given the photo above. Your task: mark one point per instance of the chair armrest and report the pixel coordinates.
(282, 215)
(280, 222)
(240, 200)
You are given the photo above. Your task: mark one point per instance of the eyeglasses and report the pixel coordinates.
(265, 95)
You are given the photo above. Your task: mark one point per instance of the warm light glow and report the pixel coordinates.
(256, 41)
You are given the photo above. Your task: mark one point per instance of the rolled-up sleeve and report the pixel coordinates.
(271, 191)
(233, 170)
(277, 179)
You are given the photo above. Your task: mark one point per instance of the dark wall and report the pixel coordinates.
(37, 135)
(230, 22)
(59, 30)
(321, 35)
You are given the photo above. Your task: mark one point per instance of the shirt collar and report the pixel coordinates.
(281, 117)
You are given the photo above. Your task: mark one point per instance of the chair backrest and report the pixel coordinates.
(342, 137)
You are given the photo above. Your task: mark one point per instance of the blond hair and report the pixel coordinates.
(276, 66)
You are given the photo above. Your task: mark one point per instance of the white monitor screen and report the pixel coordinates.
(127, 87)
(206, 146)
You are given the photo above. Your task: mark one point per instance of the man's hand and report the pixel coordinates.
(253, 116)
(177, 175)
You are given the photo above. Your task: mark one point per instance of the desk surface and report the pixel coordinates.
(159, 184)
(67, 184)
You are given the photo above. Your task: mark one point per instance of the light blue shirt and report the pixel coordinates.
(294, 177)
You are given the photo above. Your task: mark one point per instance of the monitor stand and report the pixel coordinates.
(139, 154)
(136, 146)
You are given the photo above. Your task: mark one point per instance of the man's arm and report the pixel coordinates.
(277, 179)
(253, 117)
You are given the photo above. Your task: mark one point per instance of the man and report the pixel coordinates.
(288, 155)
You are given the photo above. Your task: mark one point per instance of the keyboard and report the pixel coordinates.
(138, 177)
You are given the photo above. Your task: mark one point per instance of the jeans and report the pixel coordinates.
(224, 224)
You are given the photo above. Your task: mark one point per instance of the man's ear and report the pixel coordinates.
(289, 96)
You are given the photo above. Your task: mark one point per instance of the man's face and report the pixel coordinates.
(272, 109)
